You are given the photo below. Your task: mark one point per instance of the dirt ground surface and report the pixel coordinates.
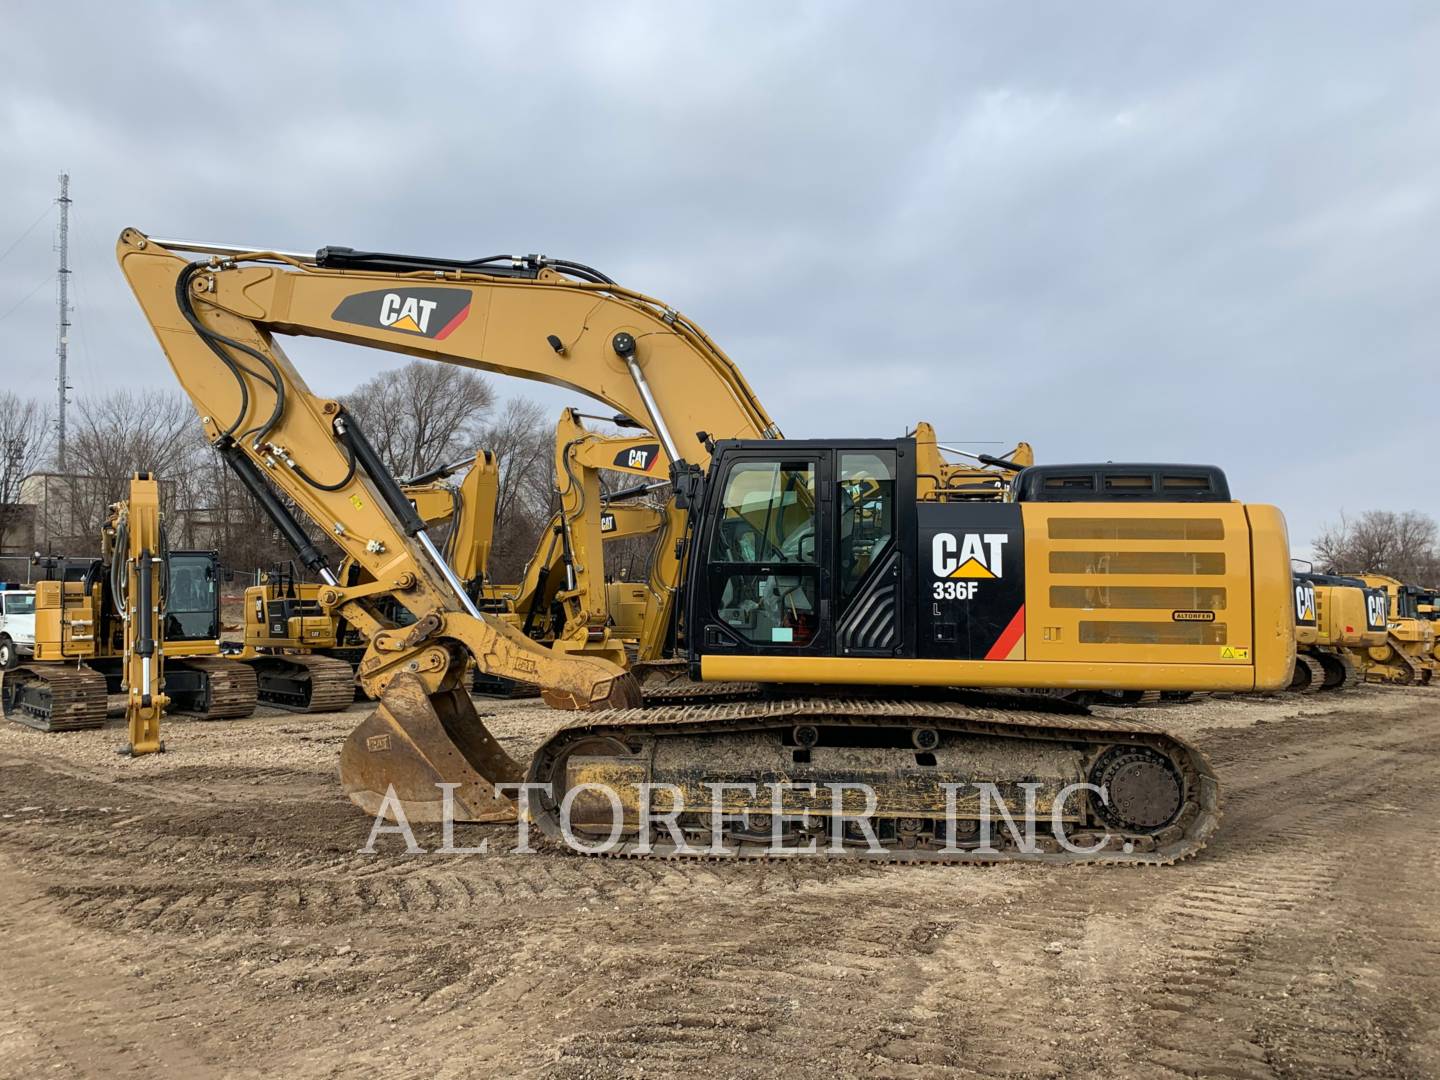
(206, 913)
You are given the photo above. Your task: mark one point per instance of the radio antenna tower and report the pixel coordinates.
(63, 343)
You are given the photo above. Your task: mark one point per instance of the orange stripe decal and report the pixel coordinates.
(1013, 635)
(449, 328)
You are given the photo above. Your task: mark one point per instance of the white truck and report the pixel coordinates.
(17, 626)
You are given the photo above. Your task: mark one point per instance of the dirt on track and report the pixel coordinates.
(205, 913)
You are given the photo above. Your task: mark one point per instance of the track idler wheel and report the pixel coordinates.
(414, 741)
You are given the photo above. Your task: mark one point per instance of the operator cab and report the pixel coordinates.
(192, 597)
(799, 547)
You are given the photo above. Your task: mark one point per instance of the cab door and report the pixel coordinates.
(764, 584)
(872, 525)
(801, 551)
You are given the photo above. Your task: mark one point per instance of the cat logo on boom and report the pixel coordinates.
(431, 313)
(966, 562)
(640, 458)
(406, 312)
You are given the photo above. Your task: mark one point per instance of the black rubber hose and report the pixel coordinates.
(275, 510)
(275, 382)
(404, 511)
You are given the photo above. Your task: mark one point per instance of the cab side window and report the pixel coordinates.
(865, 504)
(764, 556)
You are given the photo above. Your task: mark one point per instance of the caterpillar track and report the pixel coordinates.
(668, 682)
(304, 683)
(54, 697)
(1341, 672)
(1410, 671)
(230, 688)
(1309, 676)
(1163, 794)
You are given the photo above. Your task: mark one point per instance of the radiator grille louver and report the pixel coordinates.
(1137, 596)
(1174, 591)
(1151, 633)
(1065, 528)
(1137, 562)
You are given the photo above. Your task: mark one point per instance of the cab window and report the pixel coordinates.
(192, 603)
(764, 555)
(865, 501)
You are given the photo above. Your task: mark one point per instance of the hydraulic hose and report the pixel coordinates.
(275, 510)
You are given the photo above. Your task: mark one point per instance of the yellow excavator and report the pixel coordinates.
(306, 657)
(809, 566)
(1407, 653)
(1337, 618)
(141, 620)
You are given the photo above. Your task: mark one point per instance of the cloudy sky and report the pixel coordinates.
(1192, 232)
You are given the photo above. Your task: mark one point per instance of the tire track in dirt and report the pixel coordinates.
(1229, 925)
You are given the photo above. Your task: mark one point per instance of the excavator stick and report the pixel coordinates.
(416, 741)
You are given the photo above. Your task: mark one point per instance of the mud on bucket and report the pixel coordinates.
(414, 741)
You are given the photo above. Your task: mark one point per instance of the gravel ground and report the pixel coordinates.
(205, 913)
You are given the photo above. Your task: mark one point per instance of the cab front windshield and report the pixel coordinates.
(192, 610)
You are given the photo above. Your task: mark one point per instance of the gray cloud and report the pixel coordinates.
(1194, 232)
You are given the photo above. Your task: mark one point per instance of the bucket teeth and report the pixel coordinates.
(415, 741)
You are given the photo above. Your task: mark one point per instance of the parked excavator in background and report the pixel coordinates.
(568, 596)
(1336, 618)
(1407, 653)
(565, 597)
(988, 480)
(812, 566)
(141, 620)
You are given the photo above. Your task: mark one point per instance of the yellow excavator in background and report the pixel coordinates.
(141, 620)
(1336, 619)
(564, 599)
(988, 480)
(811, 566)
(566, 596)
(1407, 653)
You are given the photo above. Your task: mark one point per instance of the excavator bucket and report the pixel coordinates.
(415, 741)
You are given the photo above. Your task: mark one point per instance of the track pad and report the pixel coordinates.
(414, 741)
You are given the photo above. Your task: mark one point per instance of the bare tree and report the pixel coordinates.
(24, 446)
(114, 436)
(422, 415)
(1402, 545)
(523, 446)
